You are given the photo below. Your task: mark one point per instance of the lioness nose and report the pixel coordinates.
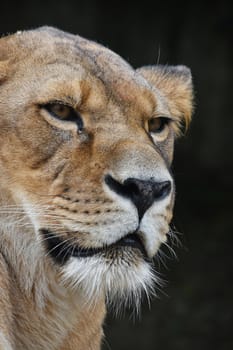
(142, 193)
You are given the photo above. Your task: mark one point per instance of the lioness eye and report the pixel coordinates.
(64, 112)
(156, 125)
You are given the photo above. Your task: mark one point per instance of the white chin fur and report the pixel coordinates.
(118, 282)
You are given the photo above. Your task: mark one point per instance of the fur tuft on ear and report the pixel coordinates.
(4, 57)
(4, 69)
(175, 83)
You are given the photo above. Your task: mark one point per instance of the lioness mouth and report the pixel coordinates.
(61, 251)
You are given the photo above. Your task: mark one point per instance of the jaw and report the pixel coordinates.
(121, 272)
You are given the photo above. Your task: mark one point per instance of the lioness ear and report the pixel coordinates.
(175, 83)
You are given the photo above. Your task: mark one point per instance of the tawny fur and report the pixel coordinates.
(52, 176)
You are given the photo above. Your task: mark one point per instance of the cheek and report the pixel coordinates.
(32, 151)
(37, 141)
(36, 134)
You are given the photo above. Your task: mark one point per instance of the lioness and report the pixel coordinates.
(86, 194)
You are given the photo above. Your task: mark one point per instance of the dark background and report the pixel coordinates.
(195, 309)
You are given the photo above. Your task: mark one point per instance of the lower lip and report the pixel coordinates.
(61, 252)
(132, 240)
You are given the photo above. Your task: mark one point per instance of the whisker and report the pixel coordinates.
(61, 234)
(68, 246)
(56, 246)
(171, 250)
(161, 257)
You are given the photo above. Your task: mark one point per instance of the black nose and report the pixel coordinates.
(142, 193)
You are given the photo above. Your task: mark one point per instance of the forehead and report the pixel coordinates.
(64, 56)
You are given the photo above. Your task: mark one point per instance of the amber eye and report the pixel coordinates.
(60, 111)
(156, 125)
(64, 112)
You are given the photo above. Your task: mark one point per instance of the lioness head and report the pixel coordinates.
(86, 145)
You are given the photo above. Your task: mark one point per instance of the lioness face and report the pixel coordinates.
(85, 149)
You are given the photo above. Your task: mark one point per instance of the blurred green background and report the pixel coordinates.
(195, 308)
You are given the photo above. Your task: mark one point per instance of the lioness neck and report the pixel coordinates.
(44, 313)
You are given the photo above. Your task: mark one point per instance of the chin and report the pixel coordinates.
(121, 275)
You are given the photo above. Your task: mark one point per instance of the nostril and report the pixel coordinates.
(116, 186)
(128, 189)
(132, 187)
(161, 189)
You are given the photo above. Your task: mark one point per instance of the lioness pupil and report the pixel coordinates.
(61, 110)
(157, 124)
